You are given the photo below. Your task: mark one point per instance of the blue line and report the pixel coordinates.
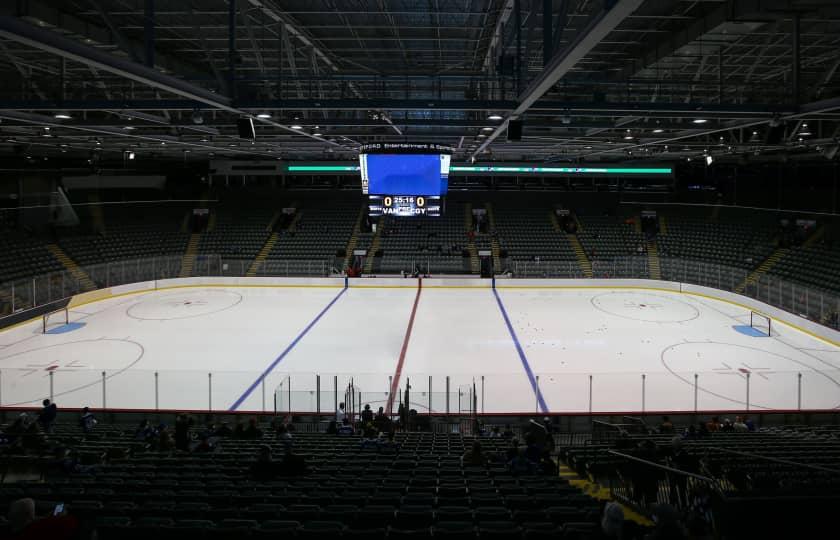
(288, 349)
(522, 356)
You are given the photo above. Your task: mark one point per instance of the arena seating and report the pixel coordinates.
(527, 234)
(606, 237)
(817, 267)
(787, 470)
(23, 257)
(364, 493)
(323, 229)
(740, 243)
(239, 233)
(425, 242)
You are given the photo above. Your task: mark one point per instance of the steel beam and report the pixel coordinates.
(46, 40)
(149, 32)
(546, 37)
(601, 25)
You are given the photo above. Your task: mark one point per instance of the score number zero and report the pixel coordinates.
(419, 201)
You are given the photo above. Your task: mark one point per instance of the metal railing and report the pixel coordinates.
(39, 290)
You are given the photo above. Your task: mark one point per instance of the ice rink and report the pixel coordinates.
(526, 350)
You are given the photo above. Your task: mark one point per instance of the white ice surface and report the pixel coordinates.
(567, 335)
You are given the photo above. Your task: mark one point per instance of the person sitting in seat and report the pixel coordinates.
(264, 469)
(666, 426)
(739, 425)
(25, 525)
(520, 464)
(345, 428)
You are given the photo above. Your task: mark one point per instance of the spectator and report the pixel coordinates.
(727, 426)
(144, 431)
(340, 415)
(667, 525)
(345, 428)
(381, 421)
(547, 466)
(332, 428)
(739, 425)
(252, 432)
(666, 426)
(388, 445)
(702, 429)
(182, 432)
(47, 416)
(369, 432)
(284, 436)
(508, 433)
(520, 464)
(223, 430)
(24, 525)
(205, 445)
(367, 415)
(474, 457)
(165, 440)
(749, 423)
(264, 469)
(87, 420)
(713, 425)
(495, 433)
(612, 522)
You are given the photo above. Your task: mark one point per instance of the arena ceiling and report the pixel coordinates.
(591, 80)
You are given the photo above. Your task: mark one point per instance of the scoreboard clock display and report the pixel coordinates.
(404, 205)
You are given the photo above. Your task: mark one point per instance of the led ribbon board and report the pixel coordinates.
(461, 170)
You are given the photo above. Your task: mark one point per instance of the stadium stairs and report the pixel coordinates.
(663, 227)
(776, 257)
(494, 243)
(654, 268)
(584, 263)
(70, 265)
(374, 247)
(263, 254)
(354, 236)
(188, 261)
(475, 266)
(763, 268)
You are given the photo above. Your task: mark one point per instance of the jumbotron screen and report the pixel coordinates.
(405, 174)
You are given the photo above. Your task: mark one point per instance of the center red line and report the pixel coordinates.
(398, 373)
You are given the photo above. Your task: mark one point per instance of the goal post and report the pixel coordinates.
(760, 322)
(61, 314)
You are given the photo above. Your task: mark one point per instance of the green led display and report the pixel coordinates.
(561, 170)
(323, 168)
(497, 169)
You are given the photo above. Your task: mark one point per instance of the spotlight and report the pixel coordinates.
(709, 160)
(129, 155)
(804, 131)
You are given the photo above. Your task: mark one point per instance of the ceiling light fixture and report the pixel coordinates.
(495, 117)
(486, 128)
(699, 120)
(658, 130)
(62, 116)
(264, 116)
(296, 126)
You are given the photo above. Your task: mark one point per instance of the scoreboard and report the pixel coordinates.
(405, 179)
(405, 205)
